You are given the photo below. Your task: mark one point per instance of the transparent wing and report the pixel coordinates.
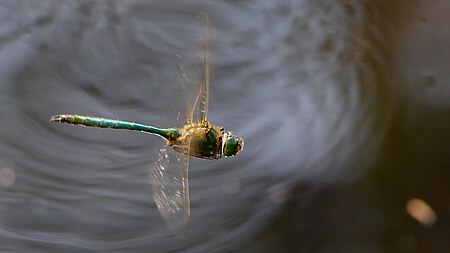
(169, 180)
(199, 111)
(169, 176)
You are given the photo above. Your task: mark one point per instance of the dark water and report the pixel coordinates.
(344, 107)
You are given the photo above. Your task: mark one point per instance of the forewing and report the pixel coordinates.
(169, 180)
(190, 86)
(199, 111)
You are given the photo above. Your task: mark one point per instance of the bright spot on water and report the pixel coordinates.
(231, 185)
(38, 205)
(7, 176)
(421, 211)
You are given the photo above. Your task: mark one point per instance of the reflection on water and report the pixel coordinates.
(343, 106)
(421, 211)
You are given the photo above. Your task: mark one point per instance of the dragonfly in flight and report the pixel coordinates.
(198, 137)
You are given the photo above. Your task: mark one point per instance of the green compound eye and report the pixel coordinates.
(232, 144)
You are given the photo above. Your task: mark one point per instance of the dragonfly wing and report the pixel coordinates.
(169, 180)
(199, 111)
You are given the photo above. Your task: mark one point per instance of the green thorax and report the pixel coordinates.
(201, 139)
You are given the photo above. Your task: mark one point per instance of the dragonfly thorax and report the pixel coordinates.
(203, 140)
(206, 140)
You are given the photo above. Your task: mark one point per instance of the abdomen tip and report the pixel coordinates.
(56, 118)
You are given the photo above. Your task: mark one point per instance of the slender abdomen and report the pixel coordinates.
(114, 124)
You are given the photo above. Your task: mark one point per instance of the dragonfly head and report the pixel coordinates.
(231, 144)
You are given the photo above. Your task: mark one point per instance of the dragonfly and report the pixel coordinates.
(198, 138)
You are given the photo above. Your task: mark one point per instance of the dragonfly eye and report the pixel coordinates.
(232, 145)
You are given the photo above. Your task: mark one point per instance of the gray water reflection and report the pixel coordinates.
(338, 136)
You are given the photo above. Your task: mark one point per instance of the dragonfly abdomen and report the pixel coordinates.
(97, 122)
(114, 124)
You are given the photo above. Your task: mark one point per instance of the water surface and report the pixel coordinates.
(344, 107)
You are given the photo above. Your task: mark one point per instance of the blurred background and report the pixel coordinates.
(344, 107)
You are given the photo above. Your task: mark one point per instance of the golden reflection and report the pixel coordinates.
(421, 211)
